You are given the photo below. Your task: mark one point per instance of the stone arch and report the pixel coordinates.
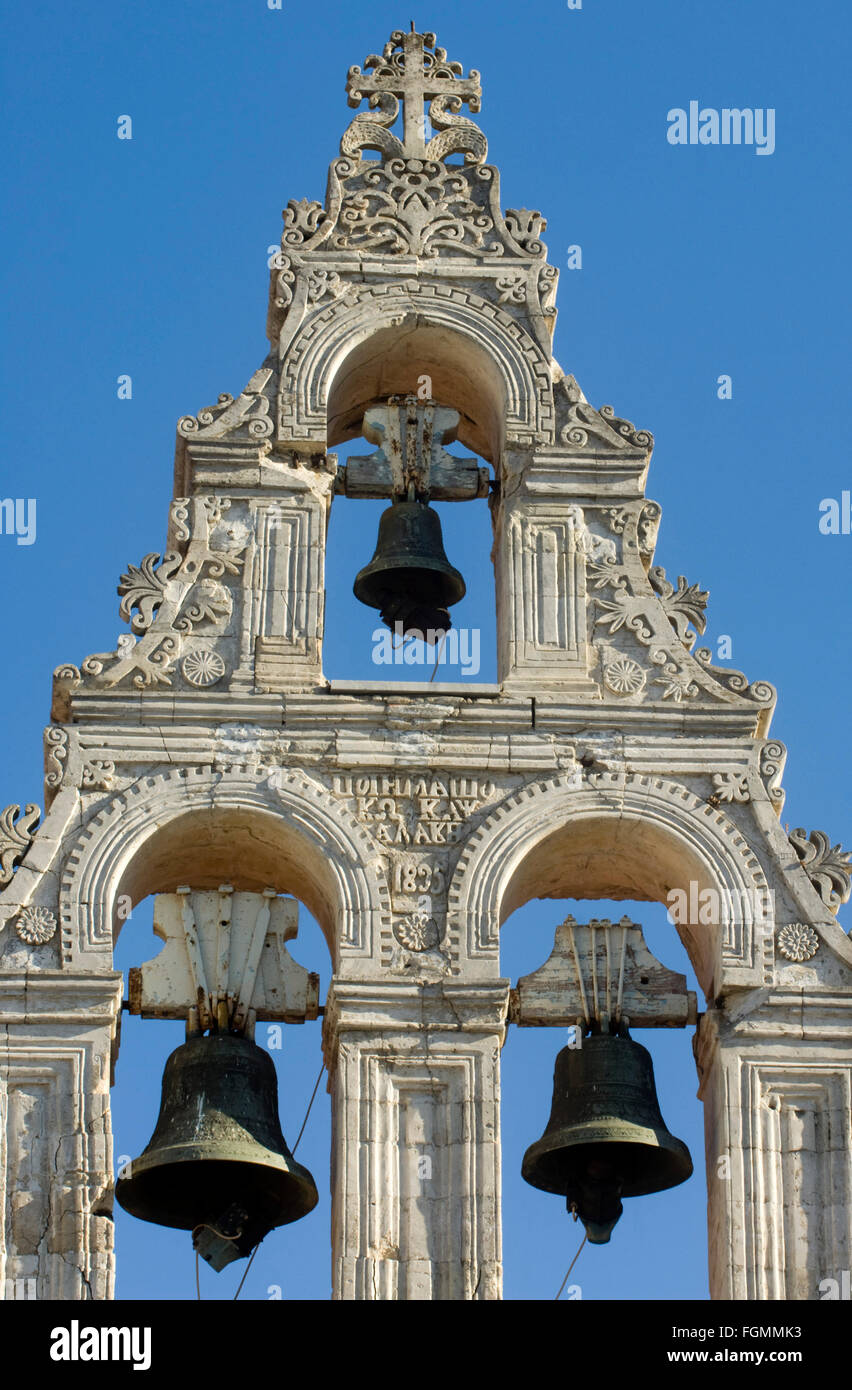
(304, 841)
(616, 837)
(512, 399)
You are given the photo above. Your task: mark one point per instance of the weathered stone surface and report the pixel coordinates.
(610, 759)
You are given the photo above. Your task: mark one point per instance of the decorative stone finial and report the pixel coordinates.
(412, 70)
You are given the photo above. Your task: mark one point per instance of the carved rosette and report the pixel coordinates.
(36, 925)
(798, 942)
(416, 932)
(203, 667)
(621, 674)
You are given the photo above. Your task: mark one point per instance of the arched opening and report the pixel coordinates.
(453, 370)
(606, 847)
(619, 858)
(247, 848)
(394, 361)
(620, 836)
(250, 850)
(658, 1249)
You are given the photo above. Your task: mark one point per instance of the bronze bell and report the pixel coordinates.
(409, 579)
(605, 1138)
(217, 1163)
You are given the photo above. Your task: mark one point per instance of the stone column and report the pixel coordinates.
(776, 1082)
(542, 544)
(416, 1146)
(56, 1231)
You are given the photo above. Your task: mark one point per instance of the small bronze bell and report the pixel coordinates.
(409, 579)
(605, 1138)
(217, 1163)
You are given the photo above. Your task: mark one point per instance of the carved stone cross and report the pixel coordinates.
(411, 74)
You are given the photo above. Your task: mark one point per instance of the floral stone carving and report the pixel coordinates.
(798, 942)
(165, 600)
(621, 674)
(203, 667)
(17, 832)
(36, 925)
(730, 786)
(828, 867)
(417, 932)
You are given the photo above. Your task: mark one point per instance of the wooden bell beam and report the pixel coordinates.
(411, 434)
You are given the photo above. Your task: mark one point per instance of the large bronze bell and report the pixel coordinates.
(409, 579)
(605, 1138)
(217, 1163)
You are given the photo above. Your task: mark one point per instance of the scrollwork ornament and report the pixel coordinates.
(526, 227)
(512, 288)
(678, 684)
(179, 513)
(642, 439)
(143, 587)
(323, 283)
(647, 528)
(210, 602)
(547, 282)
(797, 942)
(682, 606)
(828, 867)
(284, 280)
(55, 756)
(617, 518)
(773, 755)
(17, 832)
(191, 424)
(303, 218)
(415, 207)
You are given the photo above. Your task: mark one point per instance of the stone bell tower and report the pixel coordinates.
(612, 759)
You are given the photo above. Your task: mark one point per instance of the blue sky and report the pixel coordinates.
(149, 257)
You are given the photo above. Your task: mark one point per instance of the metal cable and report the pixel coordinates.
(310, 1103)
(570, 1266)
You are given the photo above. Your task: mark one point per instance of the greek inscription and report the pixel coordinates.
(412, 809)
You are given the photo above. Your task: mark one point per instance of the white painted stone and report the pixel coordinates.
(610, 759)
